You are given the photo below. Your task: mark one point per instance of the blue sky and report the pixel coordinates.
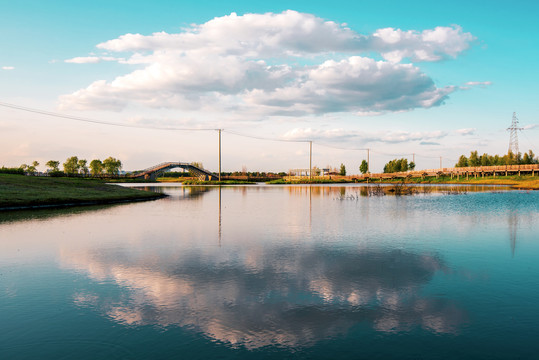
(316, 73)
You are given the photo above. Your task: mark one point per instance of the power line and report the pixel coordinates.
(340, 148)
(100, 122)
(93, 121)
(264, 138)
(386, 154)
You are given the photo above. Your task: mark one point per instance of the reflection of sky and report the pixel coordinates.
(295, 265)
(279, 296)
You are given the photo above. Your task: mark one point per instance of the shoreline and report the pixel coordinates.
(82, 203)
(19, 192)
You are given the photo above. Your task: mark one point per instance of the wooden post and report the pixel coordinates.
(368, 162)
(219, 159)
(310, 160)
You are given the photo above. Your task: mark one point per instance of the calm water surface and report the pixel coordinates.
(275, 272)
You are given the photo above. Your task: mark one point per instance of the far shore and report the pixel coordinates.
(515, 182)
(19, 192)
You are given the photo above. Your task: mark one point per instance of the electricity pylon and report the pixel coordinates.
(513, 137)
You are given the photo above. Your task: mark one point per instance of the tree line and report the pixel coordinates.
(398, 165)
(75, 166)
(495, 160)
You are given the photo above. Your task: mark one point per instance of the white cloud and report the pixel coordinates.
(355, 84)
(84, 60)
(273, 64)
(428, 45)
(92, 59)
(531, 126)
(8, 68)
(481, 84)
(350, 137)
(467, 131)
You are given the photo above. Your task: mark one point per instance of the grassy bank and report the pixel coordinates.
(18, 191)
(516, 182)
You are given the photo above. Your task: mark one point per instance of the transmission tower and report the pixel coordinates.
(513, 137)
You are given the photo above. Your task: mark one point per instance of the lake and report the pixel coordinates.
(275, 272)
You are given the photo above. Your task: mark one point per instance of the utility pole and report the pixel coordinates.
(220, 156)
(310, 160)
(368, 161)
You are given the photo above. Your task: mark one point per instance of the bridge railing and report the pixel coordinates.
(458, 170)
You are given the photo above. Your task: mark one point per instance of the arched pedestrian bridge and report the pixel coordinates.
(154, 171)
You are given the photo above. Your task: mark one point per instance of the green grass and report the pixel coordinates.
(27, 191)
(518, 182)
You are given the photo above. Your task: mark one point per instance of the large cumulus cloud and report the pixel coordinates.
(289, 63)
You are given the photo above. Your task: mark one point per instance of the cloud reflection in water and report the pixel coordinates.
(283, 296)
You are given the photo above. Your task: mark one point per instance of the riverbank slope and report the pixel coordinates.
(22, 192)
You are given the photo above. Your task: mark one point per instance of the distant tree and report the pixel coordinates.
(71, 166)
(30, 169)
(82, 166)
(24, 168)
(533, 158)
(474, 160)
(411, 166)
(529, 158)
(96, 167)
(488, 160)
(112, 166)
(396, 165)
(463, 161)
(342, 170)
(364, 167)
(509, 159)
(485, 160)
(53, 165)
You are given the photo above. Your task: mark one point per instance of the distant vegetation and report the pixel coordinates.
(364, 167)
(489, 160)
(73, 166)
(14, 171)
(398, 165)
(342, 170)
